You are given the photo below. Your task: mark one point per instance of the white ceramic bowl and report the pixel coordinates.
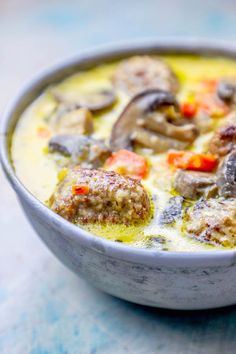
(176, 280)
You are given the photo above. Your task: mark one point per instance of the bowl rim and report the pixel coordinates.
(113, 249)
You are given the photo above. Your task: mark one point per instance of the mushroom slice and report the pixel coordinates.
(157, 122)
(192, 184)
(226, 176)
(94, 101)
(75, 121)
(157, 111)
(226, 90)
(224, 138)
(158, 143)
(203, 122)
(172, 211)
(139, 73)
(86, 151)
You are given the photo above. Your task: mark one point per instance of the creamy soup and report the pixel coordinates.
(178, 107)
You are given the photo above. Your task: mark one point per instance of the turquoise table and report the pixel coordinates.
(44, 308)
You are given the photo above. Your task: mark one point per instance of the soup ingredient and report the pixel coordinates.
(211, 104)
(193, 184)
(226, 90)
(151, 118)
(226, 176)
(93, 101)
(224, 138)
(170, 124)
(203, 122)
(208, 85)
(127, 163)
(189, 160)
(79, 189)
(86, 151)
(111, 198)
(188, 109)
(213, 221)
(172, 211)
(43, 132)
(158, 120)
(156, 142)
(207, 100)
(75, 121)
(62, 174)
(139, 73)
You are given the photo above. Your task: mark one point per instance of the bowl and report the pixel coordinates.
(174, 280)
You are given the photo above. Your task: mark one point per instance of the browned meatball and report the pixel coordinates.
(224, 139)
(140, 73)
(213, 221)
(106, 197)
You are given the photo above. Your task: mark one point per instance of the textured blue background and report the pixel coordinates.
(44, 308)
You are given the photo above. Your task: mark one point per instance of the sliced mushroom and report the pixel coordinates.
(94, 101)
(158, 123)
(152, 119)
(226, 176)
(224, 139)
(158, 143)
(227, 90)
(86, 151)
(140, 73)
(192, 184)
(203, 121)
(75, 121)
(172, 211)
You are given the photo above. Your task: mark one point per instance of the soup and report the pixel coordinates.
(139, 151)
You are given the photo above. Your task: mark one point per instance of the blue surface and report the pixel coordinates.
(44, 308)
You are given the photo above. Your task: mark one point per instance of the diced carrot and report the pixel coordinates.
(80, 189)
(210, 104)
(43, 132)
(205, 99)
(188, 160)
(188, 109)
(209, 85)
(127, 163)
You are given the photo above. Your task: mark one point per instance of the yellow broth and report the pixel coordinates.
(38, 170)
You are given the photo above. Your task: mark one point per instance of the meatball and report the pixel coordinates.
(213, 221)
(224, 139)
(106, 197)
(140, 73)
